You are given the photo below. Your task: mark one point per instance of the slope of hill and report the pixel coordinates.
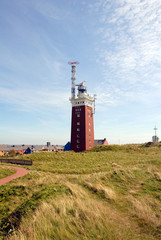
(110, 192)
(6, 172)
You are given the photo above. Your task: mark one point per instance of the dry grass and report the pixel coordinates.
(112, 195)
(103, 191)
(78, 217)
(142, 208)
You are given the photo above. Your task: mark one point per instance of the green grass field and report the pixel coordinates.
(4, 172)
(108, 193)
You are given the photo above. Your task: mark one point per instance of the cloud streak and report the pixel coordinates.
(30, 99)
(129, 48)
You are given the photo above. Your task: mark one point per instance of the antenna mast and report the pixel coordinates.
(95, 96)
(73, 64)
(155, 129)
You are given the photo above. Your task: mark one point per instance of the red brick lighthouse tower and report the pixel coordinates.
(82, 129)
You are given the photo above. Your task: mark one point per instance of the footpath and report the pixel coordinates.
(20, 173)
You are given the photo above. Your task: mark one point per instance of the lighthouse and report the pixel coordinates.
(82, 128)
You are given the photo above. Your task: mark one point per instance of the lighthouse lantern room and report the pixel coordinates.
(82, 128)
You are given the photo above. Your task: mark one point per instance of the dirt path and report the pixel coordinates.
(20, 173)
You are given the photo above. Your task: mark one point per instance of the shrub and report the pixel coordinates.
(12, 153)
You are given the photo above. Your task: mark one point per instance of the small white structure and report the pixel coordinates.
(155, 138)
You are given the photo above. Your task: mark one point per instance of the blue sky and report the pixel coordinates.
(118, 45)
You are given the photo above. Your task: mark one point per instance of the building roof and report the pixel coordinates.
(99, 141)
(4, 147)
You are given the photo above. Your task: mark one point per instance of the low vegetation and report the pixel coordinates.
(5, 172)
(109, 192)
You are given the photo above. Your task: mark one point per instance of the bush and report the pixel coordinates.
(100, 148)
(12, 153)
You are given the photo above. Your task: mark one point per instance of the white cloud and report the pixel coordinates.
(29, 99)
(129, 36)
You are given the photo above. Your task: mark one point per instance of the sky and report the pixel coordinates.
(118, 46)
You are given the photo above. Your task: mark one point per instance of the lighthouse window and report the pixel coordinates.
(78, 141)
(78, 123)
(78, 146)
(78, 129)
(89, 135)
(89, 146)
(78, 135)
(89, 129)
(78, 114)
(89, 124)
(89, 141)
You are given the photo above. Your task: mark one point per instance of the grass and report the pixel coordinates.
(5, 172)
(110, 192)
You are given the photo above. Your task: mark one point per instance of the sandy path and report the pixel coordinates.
(20, 173)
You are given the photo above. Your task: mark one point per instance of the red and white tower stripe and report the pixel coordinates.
(82, 128)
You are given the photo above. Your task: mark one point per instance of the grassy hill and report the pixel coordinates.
(108, 193)
(6, 172)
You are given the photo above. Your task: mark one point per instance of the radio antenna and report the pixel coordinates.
(95, 96)
(73, 64)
